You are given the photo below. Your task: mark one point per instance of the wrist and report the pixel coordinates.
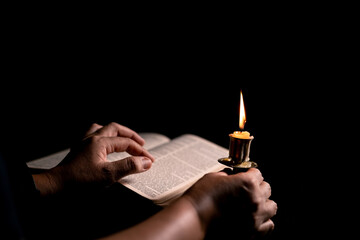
(204, 207)
(49, 182)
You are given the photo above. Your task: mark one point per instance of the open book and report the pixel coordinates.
(179, 163)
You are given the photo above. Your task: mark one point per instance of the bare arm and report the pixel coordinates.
(180, 220)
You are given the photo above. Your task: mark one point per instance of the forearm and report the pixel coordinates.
(179, 220)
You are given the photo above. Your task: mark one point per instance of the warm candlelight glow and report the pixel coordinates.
(242, 118)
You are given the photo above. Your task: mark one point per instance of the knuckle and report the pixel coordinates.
(250, 182)
(112, 124)
(133, 146)
(267, 187)
(100, 141)
(256, 170)
(272, 225)
(92, 140)
(132, 165)
(126, 141)
(129, 144)
(108, 173)
(274, 207)
(107, 170)
(94, 125)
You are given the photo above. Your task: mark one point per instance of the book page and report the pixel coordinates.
(49, 161)
(178, 165)
(151, 140)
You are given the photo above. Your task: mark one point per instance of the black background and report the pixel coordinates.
(175, 81)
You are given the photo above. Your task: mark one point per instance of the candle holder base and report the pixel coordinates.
(237, 167)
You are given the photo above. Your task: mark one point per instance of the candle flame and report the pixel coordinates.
(242, 119)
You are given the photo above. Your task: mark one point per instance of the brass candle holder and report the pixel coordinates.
(239, 151)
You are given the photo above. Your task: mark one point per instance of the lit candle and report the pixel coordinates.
(239, 148)
(242, 121)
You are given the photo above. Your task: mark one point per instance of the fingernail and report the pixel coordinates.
(150, 156)
(146, 163)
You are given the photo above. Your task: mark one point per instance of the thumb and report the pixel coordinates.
(130, 165)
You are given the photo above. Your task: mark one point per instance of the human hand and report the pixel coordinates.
(243, 197)
(87, 161)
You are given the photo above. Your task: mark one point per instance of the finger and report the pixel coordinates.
(130, 165)
(266, 228)
(266, 189)
(93, 128)
(254, 172)
(270, 209)
(114, 129)
(252, 176)
(121, 144)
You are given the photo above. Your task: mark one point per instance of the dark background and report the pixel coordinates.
(174, 81)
